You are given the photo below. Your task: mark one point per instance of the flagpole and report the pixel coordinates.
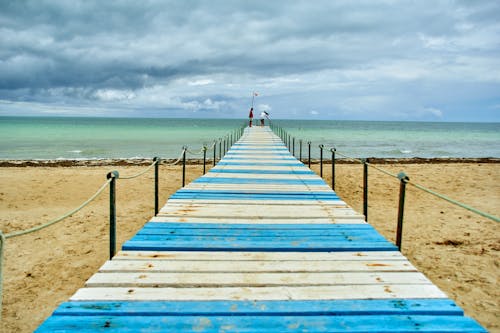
(253, 97)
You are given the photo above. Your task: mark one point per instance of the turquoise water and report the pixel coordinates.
(93, 138)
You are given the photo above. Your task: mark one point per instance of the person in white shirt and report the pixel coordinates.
(263, 115)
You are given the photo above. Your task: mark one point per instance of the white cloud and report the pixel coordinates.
(433, 112)
(264, 107)
(114, 95)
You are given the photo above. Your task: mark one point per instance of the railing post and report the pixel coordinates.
(365, 188)
(402, 192)
(333, 150)
(321, 160)
(184, 166)
(215, 150)
(220, 149)
(204, 159)
(300, 150)
(309, 158)
(2, 244)
(113, 175)
(293, 146)
(157, 160)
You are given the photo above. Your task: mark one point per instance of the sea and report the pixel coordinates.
(82, 138)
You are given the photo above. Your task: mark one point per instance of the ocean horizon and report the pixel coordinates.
(87, 138)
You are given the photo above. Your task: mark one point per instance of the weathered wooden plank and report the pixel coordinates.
(257, 266)
(260, 246)
(255, 220)
(267, 171)
(436, 307)
(260, 188)
(257, 236)
(250, 180)
(262, 256)
(260, 293)
(258, 324)
(216, 279)
(247, 174)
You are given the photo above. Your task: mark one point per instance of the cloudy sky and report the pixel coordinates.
(360, 60)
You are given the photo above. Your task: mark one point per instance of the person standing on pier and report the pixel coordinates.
(251, 116)
(263, 115)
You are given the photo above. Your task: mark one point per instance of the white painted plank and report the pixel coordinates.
(260, 188)
(261, 176)
(237, 211)
(257, 220)
(260, 293)
(256, 266)
(184, 280)
(259, 256)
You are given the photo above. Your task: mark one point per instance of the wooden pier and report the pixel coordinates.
(258, 244)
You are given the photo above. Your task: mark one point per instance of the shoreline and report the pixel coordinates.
(197, 161)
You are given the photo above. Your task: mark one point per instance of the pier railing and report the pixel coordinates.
(402, 177)
(224, 144)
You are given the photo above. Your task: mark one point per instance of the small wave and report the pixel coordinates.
(75, 151)
(405, 151)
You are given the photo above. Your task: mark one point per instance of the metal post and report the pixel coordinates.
(365, 188)
(157, 160)
(309, 158)
(113, 175)
(184, 166)
(220, 149)
(293, 146)
(402, 191)
(225, 138)
(2, 244)
(204, 159)
(215, 150)
(300, 150)
(333, 150)
(321, 160)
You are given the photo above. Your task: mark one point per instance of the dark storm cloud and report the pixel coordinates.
(204, 54)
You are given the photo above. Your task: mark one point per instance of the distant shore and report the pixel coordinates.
(191, 161)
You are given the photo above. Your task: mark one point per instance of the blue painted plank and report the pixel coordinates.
(227, 180)
(253, 324)
(371, 235)
(202, 196)
(280, 149)
(282, 158)
(251, 197)
(257, 239)
(260, 246)
(276, 193)
(436, 307)
(264, 172)
(359, 234)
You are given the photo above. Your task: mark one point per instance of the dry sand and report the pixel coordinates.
(456, 249)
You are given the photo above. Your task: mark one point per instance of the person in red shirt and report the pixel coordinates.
(251, 116)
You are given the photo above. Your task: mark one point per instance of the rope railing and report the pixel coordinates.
(4, 237)
(111, 181)
(156, 161)
(402, 177)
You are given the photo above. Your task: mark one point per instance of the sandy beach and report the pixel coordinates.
(458, 250)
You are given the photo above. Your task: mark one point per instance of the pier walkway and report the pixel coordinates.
(258, 244)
